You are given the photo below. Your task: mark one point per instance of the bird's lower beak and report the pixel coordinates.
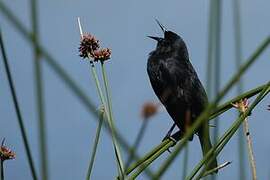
(155, 38)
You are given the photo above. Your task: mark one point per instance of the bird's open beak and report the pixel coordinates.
(161, 26)
(155, 38)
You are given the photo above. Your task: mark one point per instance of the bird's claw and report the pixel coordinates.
(171, 139)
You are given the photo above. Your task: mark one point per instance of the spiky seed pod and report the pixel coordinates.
(6, 153)
(88, 45)
(102, 54)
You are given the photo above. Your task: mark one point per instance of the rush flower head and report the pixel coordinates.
(6, 153)
(241, 105)
(149, 109)
(102, 54)
(88, 45)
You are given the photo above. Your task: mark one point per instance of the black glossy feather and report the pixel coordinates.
(176, 84)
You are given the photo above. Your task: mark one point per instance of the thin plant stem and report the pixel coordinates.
(185, 161)
(108, 117)
(210, 50)
(238, 61)
(217, 58)
(17, 110)
(101, 119)
(137, 141)
(150, 160)
(217, 69)
(2, 177)
(250, 150)
(148, 155)
(111, 122)
(39, 93)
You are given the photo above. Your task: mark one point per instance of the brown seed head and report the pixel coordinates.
(149, 109)
(88, 45)
(102, 54)
(6, 153)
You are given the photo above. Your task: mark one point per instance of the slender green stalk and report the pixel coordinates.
(108, 117)
(151, 159)
(111, 121)
(228, 134)
(17, 109)
(101, 119)
(238, 61)
(63, 75)
(217, 70)
(39, 93)
(210, 49)
(137, 141)
(185, 162)
(213, 61)
(148, 155)
(250, 150)
(2, 177)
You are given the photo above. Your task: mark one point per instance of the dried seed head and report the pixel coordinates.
(102, 54)
(241, 105)
(6, 153)
(88, 45)
(149, 109)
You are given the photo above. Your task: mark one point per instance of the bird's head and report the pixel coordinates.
(170, 42)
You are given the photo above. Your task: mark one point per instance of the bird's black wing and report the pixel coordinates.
(179, 89)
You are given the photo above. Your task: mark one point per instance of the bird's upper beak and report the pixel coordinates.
(161, 26)
(155, 38)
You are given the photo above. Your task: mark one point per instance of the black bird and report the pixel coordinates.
(176, 84)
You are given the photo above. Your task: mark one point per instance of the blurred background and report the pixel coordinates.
(123, 26)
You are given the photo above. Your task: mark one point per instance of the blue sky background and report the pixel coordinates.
(123, 27)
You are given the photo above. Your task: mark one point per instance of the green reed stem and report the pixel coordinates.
(91, 164)
(108, 115)
(17, 110)
(238, 61)
(137, 141)
(2, 177)
(111, 121)
(39, 93)
(185, 162)
(148, 161)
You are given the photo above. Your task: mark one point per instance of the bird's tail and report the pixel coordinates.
(206, 145)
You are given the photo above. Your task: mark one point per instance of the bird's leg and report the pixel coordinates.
(169, 133)
(175, 137)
